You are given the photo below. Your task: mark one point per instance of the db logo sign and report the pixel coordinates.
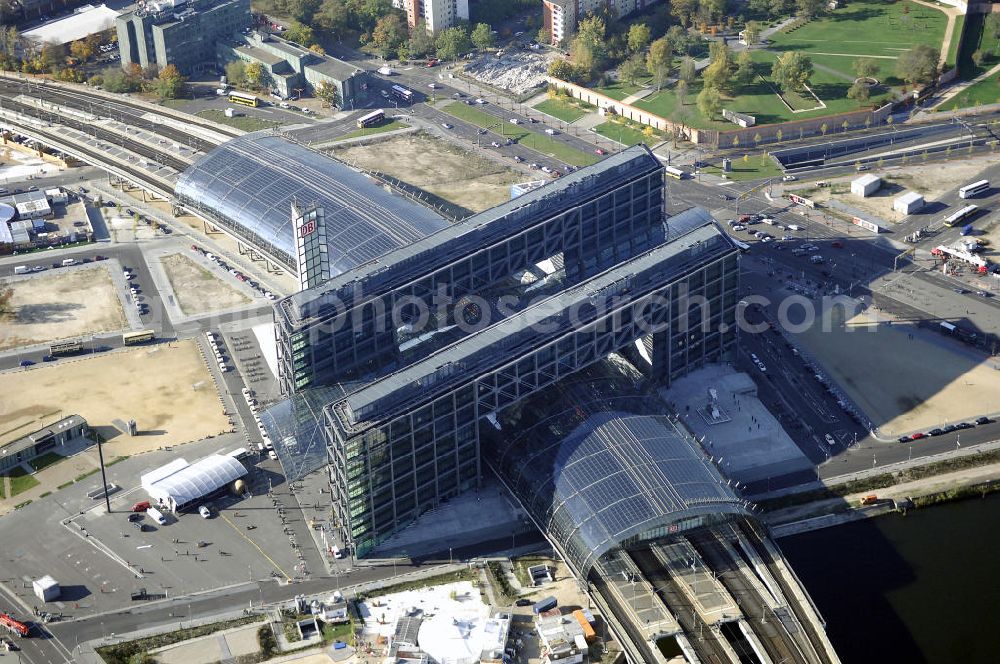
(307, 228)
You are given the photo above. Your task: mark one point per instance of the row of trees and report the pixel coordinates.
(391, 38)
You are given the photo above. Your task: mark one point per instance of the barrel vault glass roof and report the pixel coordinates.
(249, 184)
(200, 478)
(615, 476)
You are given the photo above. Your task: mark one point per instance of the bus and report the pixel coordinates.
(402, 93)
(371, 119)
(974, 189)
(960, 216)
(244, 99)
(675, 173)
(142, 336)
(65, 347)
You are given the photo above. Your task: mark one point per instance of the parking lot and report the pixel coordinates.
(102, 559)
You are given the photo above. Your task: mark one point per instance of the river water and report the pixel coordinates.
(919, 588)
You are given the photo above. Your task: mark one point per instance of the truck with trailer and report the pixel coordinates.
(14, 626)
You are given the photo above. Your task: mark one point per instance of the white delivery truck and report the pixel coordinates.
(22, 269)
(156, 515)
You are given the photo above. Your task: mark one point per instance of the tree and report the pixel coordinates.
(859, 92)
(253, 75)
(687, 70)
(918, 65)
(751, 32)
(81, 49)
(544, 35)
(300, 34)
(709, 102)
(366, 13)
(823, 128)
(991, 27)
(716, 75)
(561, 69)
(658, 61)
(332, 17)
(451, 43)
(303, 10)
(389, 33)
(792, 70)
(6, 294)
(329, 94)
(638, 37)
(977, 56)
(421, 41)
(53, 56)
(681, 91)
(744, 67)
(865, 68)
(319, 50)
(169, 83)
(631, 69)
(236, 72)
(482, 36)
(810, 8)
(683, 10)
(589, 48)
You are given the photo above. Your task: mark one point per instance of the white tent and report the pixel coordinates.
(178, 483)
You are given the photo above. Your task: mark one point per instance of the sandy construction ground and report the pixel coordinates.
(456, 175)
(930, 181)
(904, 384)
(60, 304)
(197, 290)
(152, 385)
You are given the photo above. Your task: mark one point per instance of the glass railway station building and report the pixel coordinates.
(415, 338)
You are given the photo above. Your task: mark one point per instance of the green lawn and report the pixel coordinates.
(44, 460)
(866, 28)
(976, 39)
(244, 122)
(754, 167)
(986, 91)
(538, 142)
(386, 125)
(956, 34)
(562, 109)
(618, 90)
(20, 481)
(623, 133)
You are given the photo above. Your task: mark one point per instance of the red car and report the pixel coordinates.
(432, 63)
(918, 436)
(599, 151)
(141, 506)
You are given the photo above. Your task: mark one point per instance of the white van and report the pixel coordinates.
(68, 261)
(337, 553)
(22, 269)
(551, 132)
(157, 516)
(284, 104)
(794, 227)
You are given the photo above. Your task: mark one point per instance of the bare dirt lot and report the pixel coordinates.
(929, 180)
(152, 385)
(60, 304)
(197, 290)
(440, 168)
(905, 379)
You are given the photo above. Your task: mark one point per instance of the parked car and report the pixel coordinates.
(830, 440)
(904, 439)
(936, 432)
(918, 436)
(26, 363)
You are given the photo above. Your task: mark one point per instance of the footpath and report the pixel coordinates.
(834, 511)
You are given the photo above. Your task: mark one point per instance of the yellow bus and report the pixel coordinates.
(142, 336)
(244, 99)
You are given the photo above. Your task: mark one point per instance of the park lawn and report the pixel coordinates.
(952, 57)
(866, 27)
(755, 167)
(538, 142)
(624, 134)
(976, 39)
(386, 125)
(618, 90)
(244, 122)
(20, 481)
(562, 109)
(986, 91)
